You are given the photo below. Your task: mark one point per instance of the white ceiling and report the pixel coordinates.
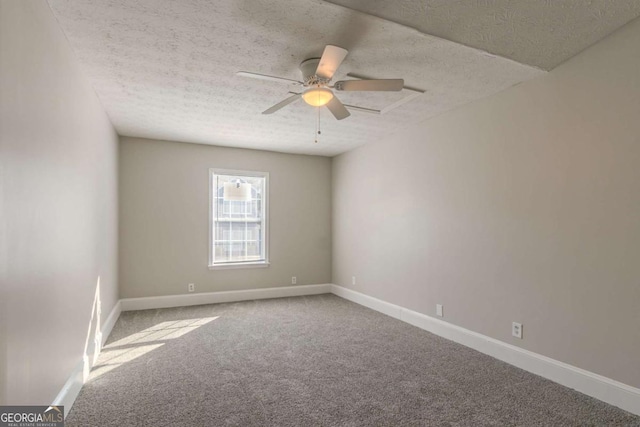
(166, 69)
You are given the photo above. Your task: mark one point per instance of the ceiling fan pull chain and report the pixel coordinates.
(318, 126)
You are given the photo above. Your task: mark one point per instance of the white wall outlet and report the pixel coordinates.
(516, 330)
(294, 280)
(353, 280)
(191, 287)
(439, 311)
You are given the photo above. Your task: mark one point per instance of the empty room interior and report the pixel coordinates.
(321, 213)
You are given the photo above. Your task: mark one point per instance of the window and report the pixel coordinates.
(238, 211)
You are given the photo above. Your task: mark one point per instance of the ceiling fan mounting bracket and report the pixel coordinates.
(308, 69)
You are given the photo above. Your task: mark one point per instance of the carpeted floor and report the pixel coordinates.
(311, 361)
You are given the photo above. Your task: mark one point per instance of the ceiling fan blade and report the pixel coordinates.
(281, 104)
(266, 77)
(370, 85)
(331, 59)
(338, 109)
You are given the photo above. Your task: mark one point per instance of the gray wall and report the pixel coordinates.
(164, 218)
(58, 207)
(521, 207)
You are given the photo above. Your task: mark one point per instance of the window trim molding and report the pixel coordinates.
(265, 225)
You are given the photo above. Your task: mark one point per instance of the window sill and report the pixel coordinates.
(261, 264)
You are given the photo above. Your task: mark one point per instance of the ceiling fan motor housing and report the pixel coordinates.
(308, 69)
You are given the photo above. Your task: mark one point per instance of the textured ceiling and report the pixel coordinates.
(166, 69)
(542, 33)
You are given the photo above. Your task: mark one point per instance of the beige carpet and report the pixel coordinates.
(311, 361)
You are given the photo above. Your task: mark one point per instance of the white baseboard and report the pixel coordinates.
(72, 387)
(384, 307)
(594, 385)
(128, 304)
(110, 322)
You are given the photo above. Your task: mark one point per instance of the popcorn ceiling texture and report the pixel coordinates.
(166, 70)
(542, 33)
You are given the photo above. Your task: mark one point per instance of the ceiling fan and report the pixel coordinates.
(316, 78)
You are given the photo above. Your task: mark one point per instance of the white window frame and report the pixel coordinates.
(212, 215)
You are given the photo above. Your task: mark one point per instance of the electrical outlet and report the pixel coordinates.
(192, 287)
(294, 280)
(353, 280)
(516, 330)
(439, 311)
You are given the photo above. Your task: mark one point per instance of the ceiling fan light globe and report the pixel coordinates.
(317, 97)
